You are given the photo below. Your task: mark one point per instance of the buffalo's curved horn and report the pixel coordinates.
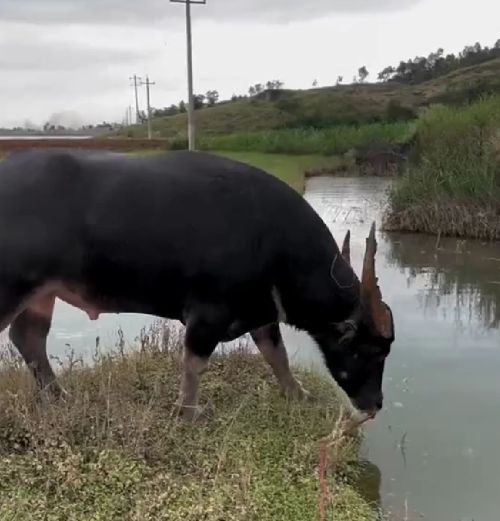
(381, 319)
(346, 248)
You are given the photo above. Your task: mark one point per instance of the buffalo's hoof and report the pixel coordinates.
(53, 392)
(189, 412)
(297, 392)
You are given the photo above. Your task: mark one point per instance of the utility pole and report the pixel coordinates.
(148, 84)
(191, 123)
(136, 81)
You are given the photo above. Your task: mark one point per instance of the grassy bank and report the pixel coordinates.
(355, 104)
(332, 141)
(453, 185)
(116, 451)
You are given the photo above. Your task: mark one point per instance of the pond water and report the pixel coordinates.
(432, 453)
(436, 441)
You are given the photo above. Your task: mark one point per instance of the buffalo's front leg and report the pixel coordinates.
(270, 343)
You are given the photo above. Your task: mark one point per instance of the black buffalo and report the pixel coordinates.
(218, 245)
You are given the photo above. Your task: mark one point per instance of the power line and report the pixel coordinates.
(191, 122)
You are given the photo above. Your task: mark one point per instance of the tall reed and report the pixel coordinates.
(453, 185)
(328, 141)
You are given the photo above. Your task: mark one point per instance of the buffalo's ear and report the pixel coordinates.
(346, 247)
(347, 331)
(380, 317)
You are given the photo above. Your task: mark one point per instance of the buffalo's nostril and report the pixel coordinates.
(379, 404)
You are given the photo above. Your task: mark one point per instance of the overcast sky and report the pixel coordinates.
(75, 57)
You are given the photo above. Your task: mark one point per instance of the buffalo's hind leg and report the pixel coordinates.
(28, 332)
(270, 343)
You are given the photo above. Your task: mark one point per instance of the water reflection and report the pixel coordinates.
(458, 276)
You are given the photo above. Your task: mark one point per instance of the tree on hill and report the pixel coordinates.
(363, 74)
(212, 97)
(199, 101)
(274, 85)
(423, 68)
(387, 73)
(258, 88)
(255, 89)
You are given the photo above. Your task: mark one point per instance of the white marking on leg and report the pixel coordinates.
(280, 310)
(193, 367)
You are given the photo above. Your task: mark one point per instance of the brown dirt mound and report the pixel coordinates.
(114, 144)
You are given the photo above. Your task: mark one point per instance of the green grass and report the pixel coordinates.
(333, 141)
(290, 169)
(115, 450)
(328, 106)
(453, 186)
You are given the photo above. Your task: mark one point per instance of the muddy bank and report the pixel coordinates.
(371, 160)
(114, 144)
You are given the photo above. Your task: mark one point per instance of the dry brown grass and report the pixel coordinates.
(445, 218)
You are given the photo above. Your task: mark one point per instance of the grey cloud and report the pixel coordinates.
(152, 12)
(50, 56)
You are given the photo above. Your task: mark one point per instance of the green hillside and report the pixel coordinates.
(330, 106)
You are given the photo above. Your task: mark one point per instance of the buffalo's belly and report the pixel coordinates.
(247, 303)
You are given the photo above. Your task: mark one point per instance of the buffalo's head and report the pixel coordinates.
(355, 349)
